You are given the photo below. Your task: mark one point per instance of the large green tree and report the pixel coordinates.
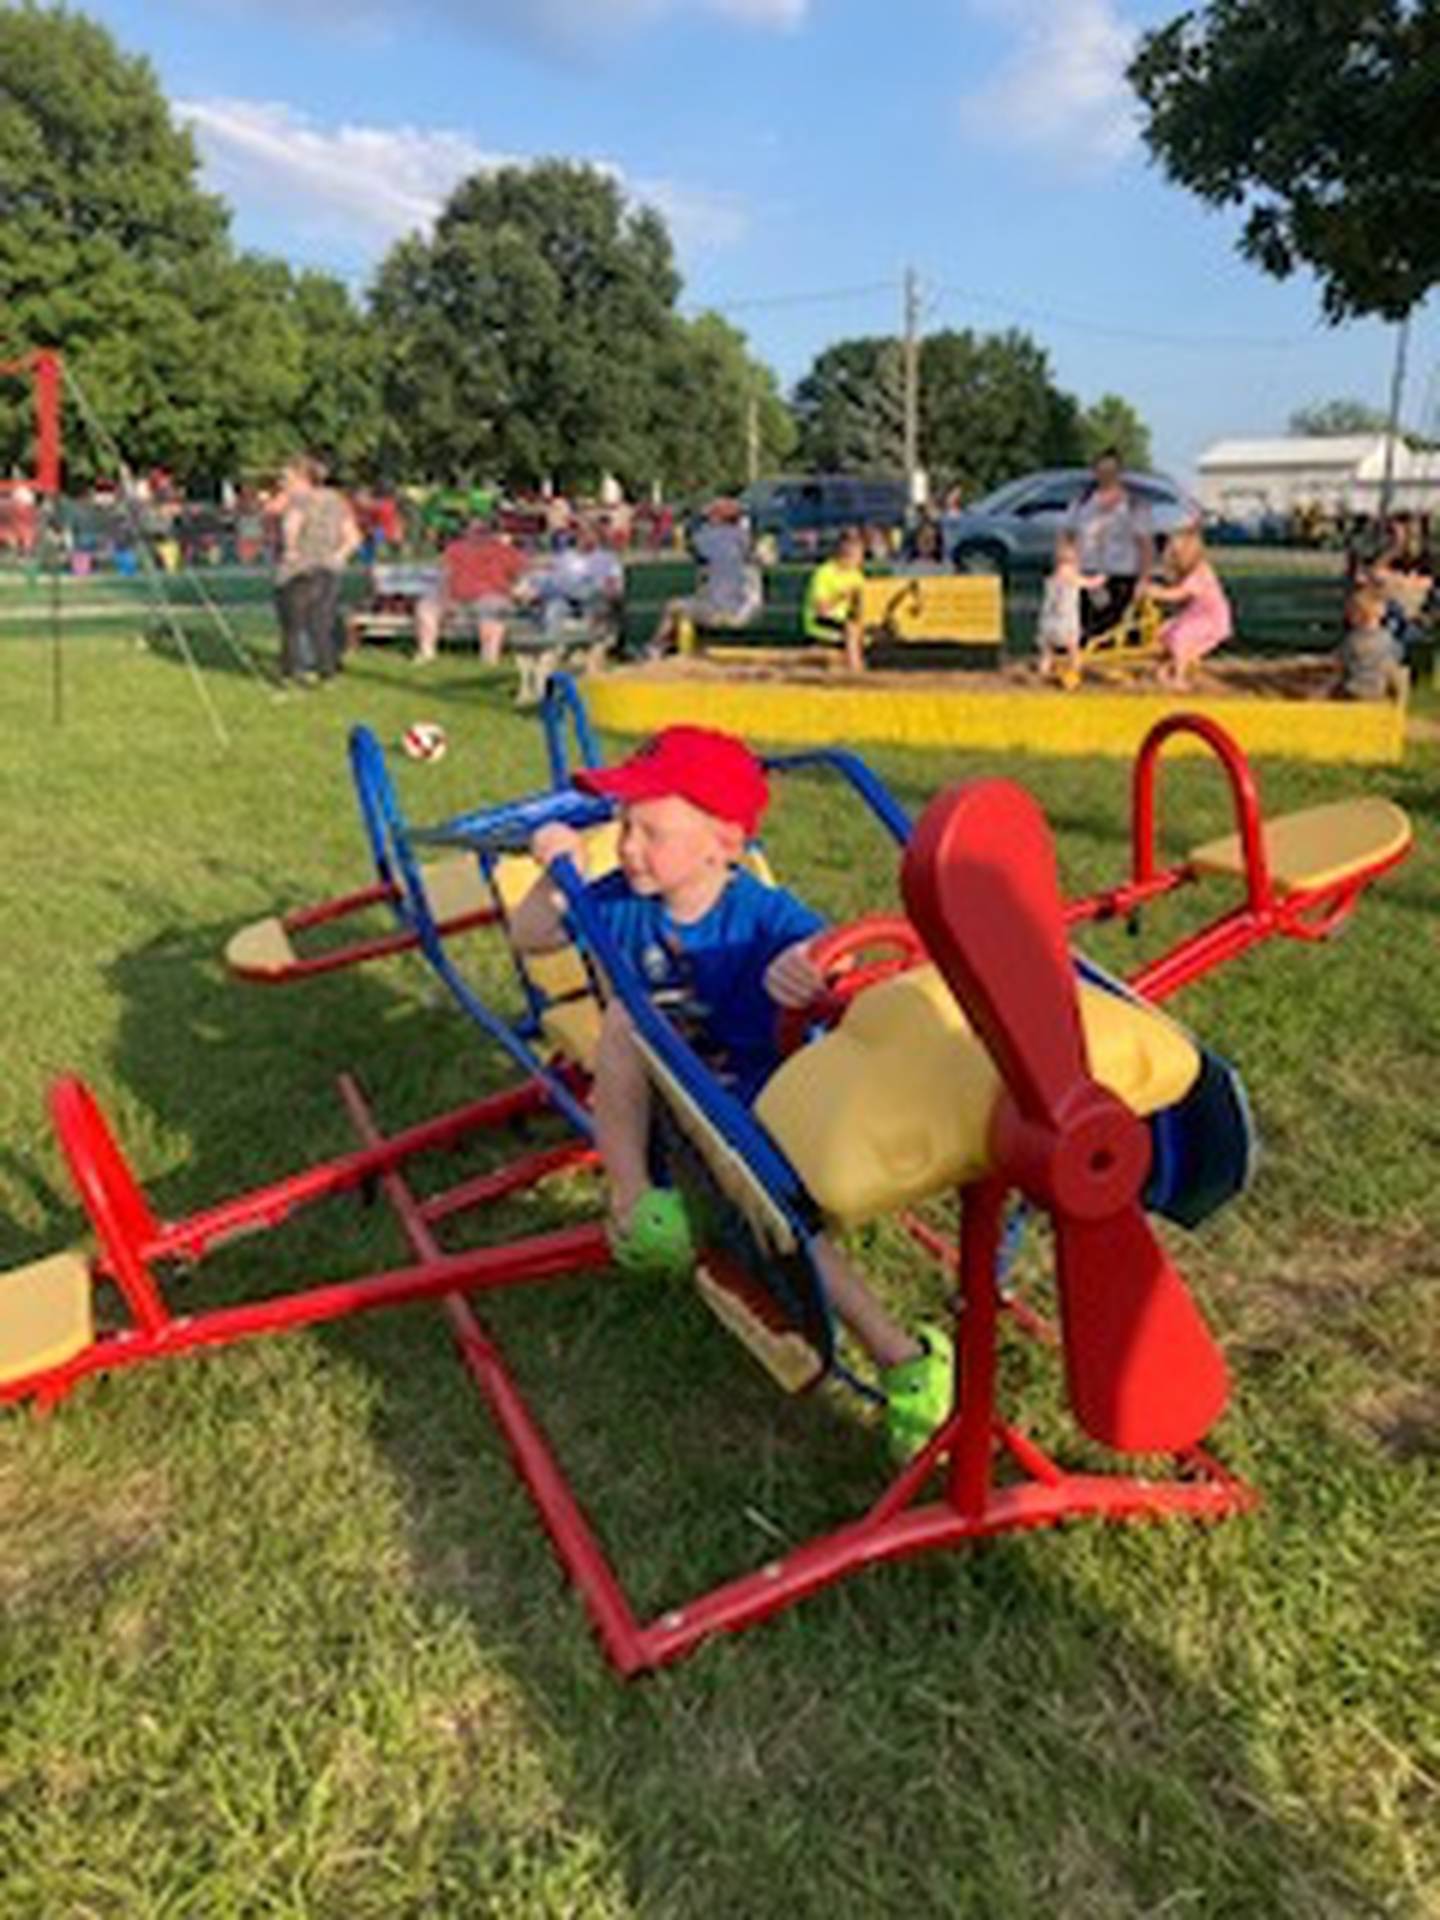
(1112, 422)
(989, 408)
(850, 408)
(719, 410)
(525, 337)
(106, 241)
(1317, 118)
(181, 352)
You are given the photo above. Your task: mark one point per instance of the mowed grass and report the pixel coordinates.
(281, 1635)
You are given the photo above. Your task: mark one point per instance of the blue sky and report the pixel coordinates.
(805, 153)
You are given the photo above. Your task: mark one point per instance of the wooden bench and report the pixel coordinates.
(941, 609)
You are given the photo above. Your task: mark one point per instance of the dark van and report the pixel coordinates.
(804, 513)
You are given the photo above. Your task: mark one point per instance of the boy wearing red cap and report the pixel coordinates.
(728, 951)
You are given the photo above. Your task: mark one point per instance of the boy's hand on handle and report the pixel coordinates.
(558, 842)
(792, 978)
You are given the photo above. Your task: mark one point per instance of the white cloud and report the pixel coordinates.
(360, 187)
(1063, 88)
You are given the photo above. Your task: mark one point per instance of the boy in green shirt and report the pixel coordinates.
(832, 600)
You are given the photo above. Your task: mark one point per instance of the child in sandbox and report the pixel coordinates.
(1370, 660)
(1202, 618)
(1057, 637)
(703, 932)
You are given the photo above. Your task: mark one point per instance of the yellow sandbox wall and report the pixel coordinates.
(1082, 724)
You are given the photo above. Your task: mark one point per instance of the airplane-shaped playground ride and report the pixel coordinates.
(963, 1048)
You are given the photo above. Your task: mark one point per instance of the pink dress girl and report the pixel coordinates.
(1202, 622)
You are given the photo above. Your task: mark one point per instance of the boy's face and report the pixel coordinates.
(668, 845)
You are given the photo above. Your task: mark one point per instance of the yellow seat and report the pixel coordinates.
(573, 1028)
(46, 1314)
(455, 887)
(1319, 847)
(264, 949)
(261, 948)
(895, 1104)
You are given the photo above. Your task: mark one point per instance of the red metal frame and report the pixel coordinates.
(969, 1500)
(133, 1243)
(378, 947)
(1264, 913)
(45, 371)
(978, 1476)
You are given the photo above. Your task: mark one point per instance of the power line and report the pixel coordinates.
(936, 295)
(1049, 317)
(872, 288)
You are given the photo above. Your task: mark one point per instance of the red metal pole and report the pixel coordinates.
(982, 1212)
(46, 365)
(267, 1206)
(570, 1532)
(1243, 791)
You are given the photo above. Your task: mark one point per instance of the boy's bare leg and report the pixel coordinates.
(854, 646)
(884, 1339)
(621, 1107)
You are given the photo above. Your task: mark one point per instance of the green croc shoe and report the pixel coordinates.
(919, 1393)
(656, 1242)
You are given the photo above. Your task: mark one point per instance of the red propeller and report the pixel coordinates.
(1143, 1370)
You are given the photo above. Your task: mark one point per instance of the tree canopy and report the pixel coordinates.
(534, 335)
(1317, 118)
(1326, 418)
(192, 357)
(1113, 422)
(989, 409)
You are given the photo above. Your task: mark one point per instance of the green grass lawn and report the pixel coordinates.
(281, 1635)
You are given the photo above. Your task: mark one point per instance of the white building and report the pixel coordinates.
(1343, 473)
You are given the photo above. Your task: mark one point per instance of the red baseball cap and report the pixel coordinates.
(713, 771)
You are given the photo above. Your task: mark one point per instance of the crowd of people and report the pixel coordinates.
(1105, 564)
(549, 559)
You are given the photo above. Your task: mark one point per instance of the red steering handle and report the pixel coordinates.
(889, 937)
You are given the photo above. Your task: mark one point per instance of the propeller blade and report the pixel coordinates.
(980, 882)
(1144, 1372)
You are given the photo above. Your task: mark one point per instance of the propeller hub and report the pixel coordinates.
(1088, 1164)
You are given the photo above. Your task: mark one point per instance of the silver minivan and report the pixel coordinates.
(1013, 529)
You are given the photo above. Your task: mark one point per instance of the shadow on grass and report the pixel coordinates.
(239, 651)
(994, 1734)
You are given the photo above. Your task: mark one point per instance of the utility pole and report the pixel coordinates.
(752, 438)
(1392, 428)
(912, 384)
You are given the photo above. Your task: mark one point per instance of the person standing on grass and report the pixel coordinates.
(1112, 526)
(318, 534)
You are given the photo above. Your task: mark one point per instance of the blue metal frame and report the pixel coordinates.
(392, 843)
(563, 702)
(726, 1113)
(862, 778)
(1192, 1173)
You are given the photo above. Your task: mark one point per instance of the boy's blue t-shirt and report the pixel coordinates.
(709, 974)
